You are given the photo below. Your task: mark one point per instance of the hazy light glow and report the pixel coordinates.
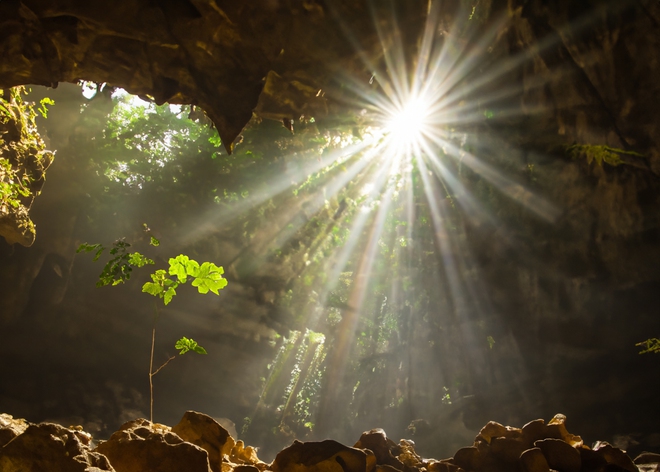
(394, 189)
(406, 124)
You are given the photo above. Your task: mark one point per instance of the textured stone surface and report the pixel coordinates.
(560, 455)
(533, 460)
(142, 446)
(139, 446)
(218, 55)
(221, 56)
(10, 428)
(53, 448)
(205, 432)
(383, 448)
(324, 456)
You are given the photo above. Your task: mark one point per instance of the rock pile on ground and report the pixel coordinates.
(199, 444)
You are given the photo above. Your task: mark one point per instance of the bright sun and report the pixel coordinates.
(406, 124)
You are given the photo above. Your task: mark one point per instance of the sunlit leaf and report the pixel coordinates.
(138, 260)
(184, 345)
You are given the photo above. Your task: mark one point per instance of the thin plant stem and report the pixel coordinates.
(153, 372)
(151, 375)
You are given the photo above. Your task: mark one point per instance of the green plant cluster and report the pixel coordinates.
(23, 161)
(118, 269)
(600, 154)
(206, 277)
(650, 345)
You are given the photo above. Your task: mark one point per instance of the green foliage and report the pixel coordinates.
(118, 269)
(161, 286)
(12, 185)
(206, 277)
(43, 109)
(490, 341)
(184, 345)
(650, 345)
(24, 158)
(600, 154)
(97, 248)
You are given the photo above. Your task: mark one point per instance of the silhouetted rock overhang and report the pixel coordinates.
(219, 55)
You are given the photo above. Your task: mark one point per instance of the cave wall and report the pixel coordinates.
(571, 286)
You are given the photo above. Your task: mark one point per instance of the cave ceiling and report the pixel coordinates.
(283, 59)
(291, 59)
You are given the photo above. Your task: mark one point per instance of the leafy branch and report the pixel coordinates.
(650, 345)
(602, 153)
(206, 277)
(118, 269)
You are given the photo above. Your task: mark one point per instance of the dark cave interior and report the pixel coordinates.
(504, 271)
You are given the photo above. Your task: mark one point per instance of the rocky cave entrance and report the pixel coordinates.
(430, 216)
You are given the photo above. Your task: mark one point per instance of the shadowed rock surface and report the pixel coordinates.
(570, 288)
(141, 446)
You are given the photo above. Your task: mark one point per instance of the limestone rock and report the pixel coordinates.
(557, 429)
(533, 431)
(10, 428)
(203, 431)
(242, 454)
(215, 55)
(383, 448)
(560, 455)
(648, 462)
(508, 450)
(613, 455)
(246, 468)
(53, 448)
(533, 460)
(536, 447)
(468, 458)
(139, 446)
(443, 466)
(324, 456)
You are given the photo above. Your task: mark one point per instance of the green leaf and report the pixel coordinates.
(184, 345)
(43, 109)
(99, 248)
(138, 260)
(169, 294)
(178, 267)
(210, 278)
(154, 242)
(153, 289)
(200, 350)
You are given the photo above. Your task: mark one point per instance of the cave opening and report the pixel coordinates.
(462, 228)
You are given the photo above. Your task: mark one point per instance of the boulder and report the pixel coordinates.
(533, 431)
(508, 450)
(648, 462)
(323, 456)
(10, 428)
(533, 460)
(53, 448)
(203, 431)
(615, 456)
(140, 446)
(384, 449)
(560, 455)
(468, 458)
(444, 465)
